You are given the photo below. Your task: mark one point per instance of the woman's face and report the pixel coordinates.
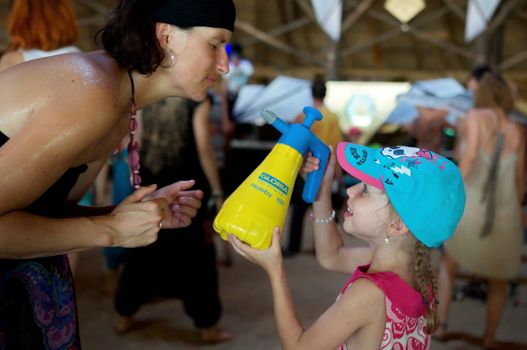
(200, 58)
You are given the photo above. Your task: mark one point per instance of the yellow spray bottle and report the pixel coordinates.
(260, 203)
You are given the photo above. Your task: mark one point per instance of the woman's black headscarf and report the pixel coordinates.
(197, 13)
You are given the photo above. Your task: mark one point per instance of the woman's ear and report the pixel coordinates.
(171, 37)
(163, 34)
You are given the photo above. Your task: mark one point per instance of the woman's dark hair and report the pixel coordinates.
(129, 36)
(318, 88)
(479, 71)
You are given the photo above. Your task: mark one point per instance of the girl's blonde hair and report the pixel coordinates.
(42, 24)
(426, 284)
(424, 277)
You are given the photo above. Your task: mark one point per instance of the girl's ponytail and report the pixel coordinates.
(426, 284)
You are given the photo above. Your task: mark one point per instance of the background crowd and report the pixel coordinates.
(184, 130)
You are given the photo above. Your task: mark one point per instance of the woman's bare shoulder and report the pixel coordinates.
(90, 73)
(65, 105)
(69, 85)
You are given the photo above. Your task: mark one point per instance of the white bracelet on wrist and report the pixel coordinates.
(327, 220)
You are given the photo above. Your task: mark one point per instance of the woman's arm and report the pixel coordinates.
(131, 224)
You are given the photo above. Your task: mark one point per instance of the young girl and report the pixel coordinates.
(409, 200)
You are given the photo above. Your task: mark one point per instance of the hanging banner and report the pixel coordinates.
(479, 13)
(329, 16)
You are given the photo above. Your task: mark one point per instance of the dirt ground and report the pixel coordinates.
(247, 304)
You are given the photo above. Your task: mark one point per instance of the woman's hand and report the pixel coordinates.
(182, 204)
(135, 222)
(269, 259)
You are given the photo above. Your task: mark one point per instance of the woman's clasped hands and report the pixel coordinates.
(137, 220)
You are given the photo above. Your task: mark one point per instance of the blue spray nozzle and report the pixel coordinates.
(275, 121)
(269, 116)
(311, 114)
(299, 137)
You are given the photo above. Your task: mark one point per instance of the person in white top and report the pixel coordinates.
(39, 28)
(240, 70)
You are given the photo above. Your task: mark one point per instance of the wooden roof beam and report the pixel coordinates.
(414, 30)
(449, 26)
(353, 17)
(289, 10)
(306, 7)
(356, 48)
(455, 9)
(299, 23)
(264, 37)
(502, 15)
(285, 8)
(514, 60)
(521, 14)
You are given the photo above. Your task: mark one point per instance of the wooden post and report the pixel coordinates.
(332, 57)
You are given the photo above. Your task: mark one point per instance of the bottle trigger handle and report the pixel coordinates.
(321, 151)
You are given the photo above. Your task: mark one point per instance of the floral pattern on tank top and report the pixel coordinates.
(405, 312)
(50, 291)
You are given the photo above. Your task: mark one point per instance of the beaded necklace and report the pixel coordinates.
(133, 147)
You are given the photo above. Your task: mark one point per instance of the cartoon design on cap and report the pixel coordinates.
(402, 159)
(397, 152)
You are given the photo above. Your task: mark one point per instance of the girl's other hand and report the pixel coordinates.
(268, 259)
(309, 164)
(330, 170)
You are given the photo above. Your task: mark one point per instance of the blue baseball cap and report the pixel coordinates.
(425, 188)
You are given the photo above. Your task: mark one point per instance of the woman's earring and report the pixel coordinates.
(386, 240)
(171, 59)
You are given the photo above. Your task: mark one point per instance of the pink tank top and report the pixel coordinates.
(405, 311)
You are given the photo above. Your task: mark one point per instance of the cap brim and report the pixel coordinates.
(359, 162)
